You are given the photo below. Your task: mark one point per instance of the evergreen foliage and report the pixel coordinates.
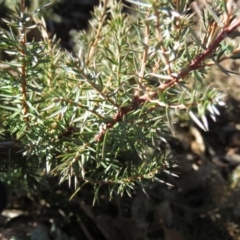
(104, 115)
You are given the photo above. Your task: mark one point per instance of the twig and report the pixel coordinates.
(99, 30)
(159, 38)
(22, 33)
(144, 57)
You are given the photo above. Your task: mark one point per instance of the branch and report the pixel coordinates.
(194, 65)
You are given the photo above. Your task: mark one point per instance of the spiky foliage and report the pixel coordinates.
(100, 116)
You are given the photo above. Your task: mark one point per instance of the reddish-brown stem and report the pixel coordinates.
(194, 65)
